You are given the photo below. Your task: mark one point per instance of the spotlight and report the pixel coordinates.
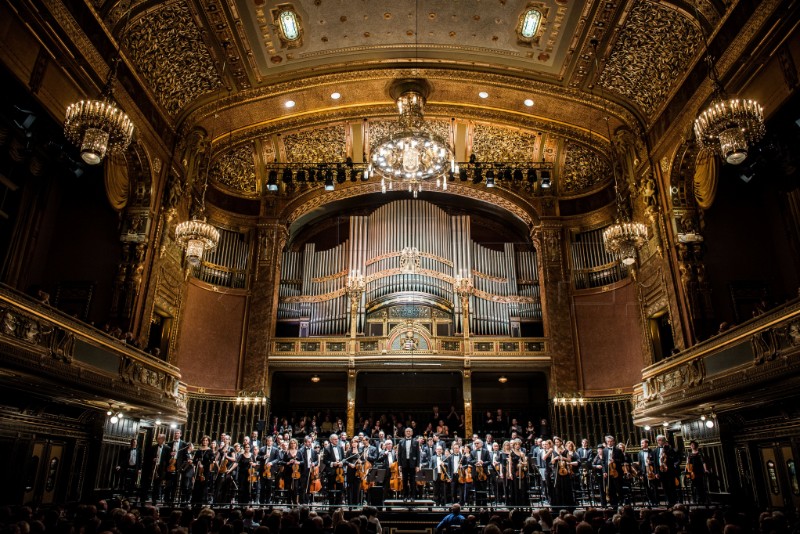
(289, 104)
(462, 174)
(366, 174)
(315, 378)
(517, 175)
(173, 426)
(341, 175)
(545, 179)
(109, 413)
(647, 428)
(531, 176)
(702, 417)
(666, 424)
(490, 178)
(336, 96)
(503, 379)
(329, 180)
(287, 175)
(114, 419)
(272, 180)
(301, 175)
(507, 174)
(158, 422)
(709, 423)
(24, 119)
(528, 102)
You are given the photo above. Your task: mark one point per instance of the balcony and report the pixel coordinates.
(50, 354)
(753, 363)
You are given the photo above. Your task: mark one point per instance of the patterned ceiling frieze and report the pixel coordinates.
(647, 60)
(168, 50)
(317, 145)
(584, 169)
(236, 169)
(224, 33)
(490, 143)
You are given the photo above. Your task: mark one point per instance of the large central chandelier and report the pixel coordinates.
(98, 126)
(729, 125)
(196, 236)
(412, 154)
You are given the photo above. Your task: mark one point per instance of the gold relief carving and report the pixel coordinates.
(236, 169)
(169, 52)
(498, 279)
(219, 22)
(375, 259)
(318, 145)
(378, 130)
(584, 168)
(328, 278)
(491, 143)
(648, 60)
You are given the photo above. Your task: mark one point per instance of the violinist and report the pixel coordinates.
(187, 473)
(560, 462)
(696, 471)
(546, 469)
(519, 466)
(333, 456)
(268, 457)
(220, 468)
(667, 461)
(177, 457)
(408, 455)
(482, 460)
(246, 473)
(613, 459)
(355, 472)
(646, 469)
(467, 471)
(598, 466)
(454, 465)
(291, 461)
(202, 461)
(627, 474)
(441, 475)
(309, 459)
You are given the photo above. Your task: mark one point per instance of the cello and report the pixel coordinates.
(396, 481)
(314, 482)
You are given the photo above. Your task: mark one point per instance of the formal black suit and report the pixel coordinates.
(668, 477)
(159, 461)
(614, 483)
(129, 463)
(408, 455)
(309, 458)
(457, 488)
(335, 489)
(481, 486)
(178, 453)
(647, 460)
(268, 455)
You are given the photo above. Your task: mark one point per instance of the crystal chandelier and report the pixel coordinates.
(729, 125)
(196, 236)
(624, 238)
(99, 127)
(412, 154)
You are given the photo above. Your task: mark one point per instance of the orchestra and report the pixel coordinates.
(412, 468)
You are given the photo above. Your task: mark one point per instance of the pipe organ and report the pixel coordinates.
(226, 265)
(592, 266)
(409, 253)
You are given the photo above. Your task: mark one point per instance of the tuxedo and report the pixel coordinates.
(408, 455)
(129, 463)
(481, 455)
(585, 454)
(646, 459)
(669, 476)
(614, 483)
(159, 460)
(456, 488)
(334, 455)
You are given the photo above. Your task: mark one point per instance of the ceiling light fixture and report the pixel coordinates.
(503, 379)
(289, 103)
(483, 94)
(336, 96)
(412, 154)
(729, 125)
(315, 378)
(528, 102)
(98, 127)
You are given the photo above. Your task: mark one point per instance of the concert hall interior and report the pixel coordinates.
(580, 214)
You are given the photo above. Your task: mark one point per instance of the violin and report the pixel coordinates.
(365, 483)
(223, 466)
(295, 470)
(690, 468)
(443, 476)
(562, 466)
(340, 475)
(173, 465)
(480, 473)
(612, 469)
(267, 473)
(663, 462)
(201, 475)
(651, 472)
(252, 476)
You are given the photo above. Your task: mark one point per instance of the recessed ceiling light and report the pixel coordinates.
(289, 103)
(483, 94)
(528, 102)
(336, 96)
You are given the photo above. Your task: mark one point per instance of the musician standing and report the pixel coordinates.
(188, 470)
(668, 461)
(334, 467)
(441, 476)
(354, 463)
(309, 459)
(613, 460)
(496, 472)
(696, 471)
(482, 460)
(408, 456)
(267, 456)
(202, 461)
(177, 457)
(128, 468)
(598, 470)
(454, 463)
(160, 459)
(519, 465)
(645, 463)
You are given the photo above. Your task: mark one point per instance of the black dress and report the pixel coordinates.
(562, 479)
(243, 477)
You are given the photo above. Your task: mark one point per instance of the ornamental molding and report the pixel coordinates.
(584, 169)
(236, 170)
(326, 144)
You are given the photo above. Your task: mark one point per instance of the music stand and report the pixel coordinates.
(425, 475)
(377, 476)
